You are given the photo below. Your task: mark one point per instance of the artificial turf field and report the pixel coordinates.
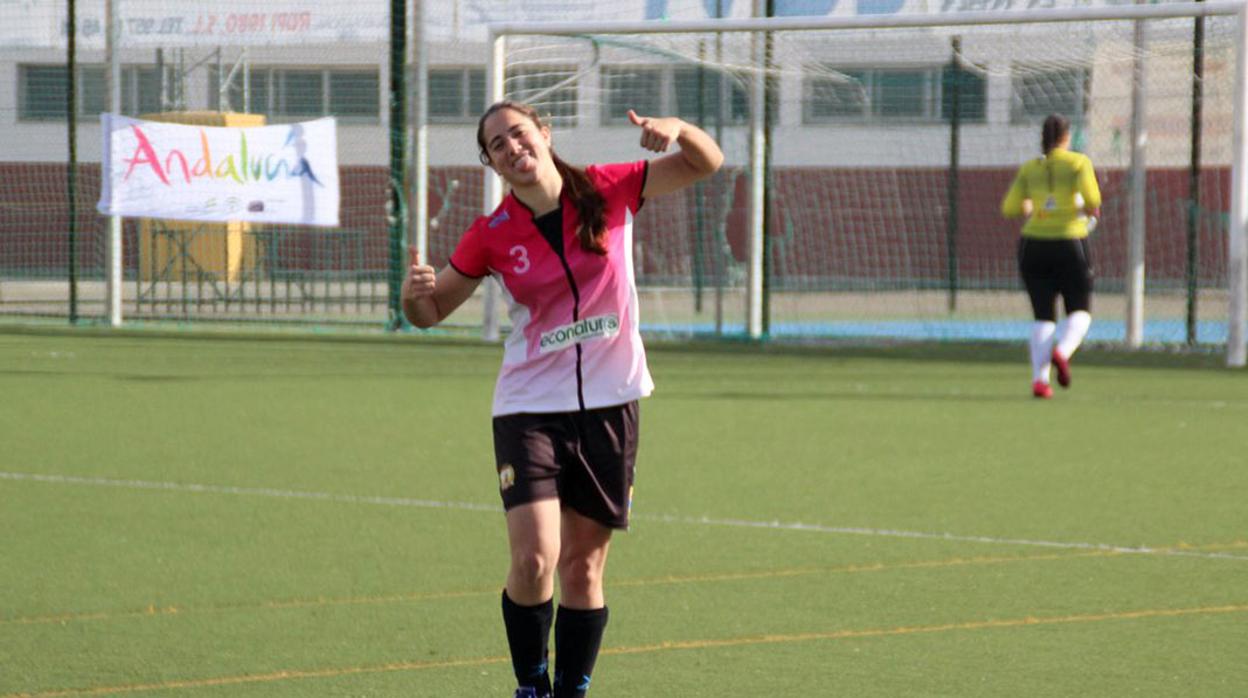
(200, 515)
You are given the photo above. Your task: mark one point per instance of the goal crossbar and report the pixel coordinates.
(791, 24)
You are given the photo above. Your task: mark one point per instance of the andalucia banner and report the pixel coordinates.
(265, 174)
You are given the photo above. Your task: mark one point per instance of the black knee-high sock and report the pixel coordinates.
(578, 635)
(528, 633)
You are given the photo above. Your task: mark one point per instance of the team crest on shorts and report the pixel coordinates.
(506, 477)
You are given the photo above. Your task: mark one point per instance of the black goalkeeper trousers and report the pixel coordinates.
(1056, 267)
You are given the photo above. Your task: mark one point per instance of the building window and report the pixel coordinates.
(552, 90)
(259, 101)
(902, 94)
(234, 98)
(721, 95)
(893, 94)
(298, 94)
(872, 94)
(972, 94)
(456, 94)
(43, 91)
(1037, 93)
(354, 93)
(632, 87)
(141, 86)
(841, 95)
(292, 94)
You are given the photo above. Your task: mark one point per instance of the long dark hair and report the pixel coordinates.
(1056, 127)
(586, 199)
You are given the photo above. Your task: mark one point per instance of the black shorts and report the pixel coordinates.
(585, 459)
(1056, 267)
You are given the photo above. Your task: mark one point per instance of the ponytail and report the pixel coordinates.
(1056, 127)
(589, 204)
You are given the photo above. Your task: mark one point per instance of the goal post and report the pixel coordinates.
(860, 175)
(1237, 237)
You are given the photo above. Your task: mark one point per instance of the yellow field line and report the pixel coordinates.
(643, 649)
(153, 610)
(261, 678)
(1233, 545)
(921, 629)
(858, 569)
(320, 602)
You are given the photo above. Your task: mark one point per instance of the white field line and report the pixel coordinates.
(248, 491)
(683, 520)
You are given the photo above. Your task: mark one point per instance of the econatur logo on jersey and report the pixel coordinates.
(584, 330)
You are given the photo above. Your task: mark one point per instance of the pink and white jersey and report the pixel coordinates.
(575, 342)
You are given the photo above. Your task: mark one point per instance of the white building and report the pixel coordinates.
(846, 99)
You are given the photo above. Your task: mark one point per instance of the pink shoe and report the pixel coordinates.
(1041, 390)
(1062, 364)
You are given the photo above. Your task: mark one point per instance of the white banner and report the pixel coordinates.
(266, 174)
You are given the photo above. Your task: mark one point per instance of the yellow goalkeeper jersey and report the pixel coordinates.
(1052, 183)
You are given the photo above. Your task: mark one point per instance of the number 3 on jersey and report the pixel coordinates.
(522, 259)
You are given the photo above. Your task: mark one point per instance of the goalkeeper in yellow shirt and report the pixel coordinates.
(1059, 196)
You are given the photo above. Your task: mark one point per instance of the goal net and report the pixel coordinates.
(890, 130)
(889, 150)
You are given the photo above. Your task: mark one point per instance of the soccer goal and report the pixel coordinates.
(867, 156)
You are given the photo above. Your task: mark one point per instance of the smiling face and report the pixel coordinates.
(515, 146)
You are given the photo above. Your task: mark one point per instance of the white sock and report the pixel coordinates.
(1042, 332)
(1071, 331)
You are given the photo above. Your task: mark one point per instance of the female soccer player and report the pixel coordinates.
(1058, 193)
(566, 400)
